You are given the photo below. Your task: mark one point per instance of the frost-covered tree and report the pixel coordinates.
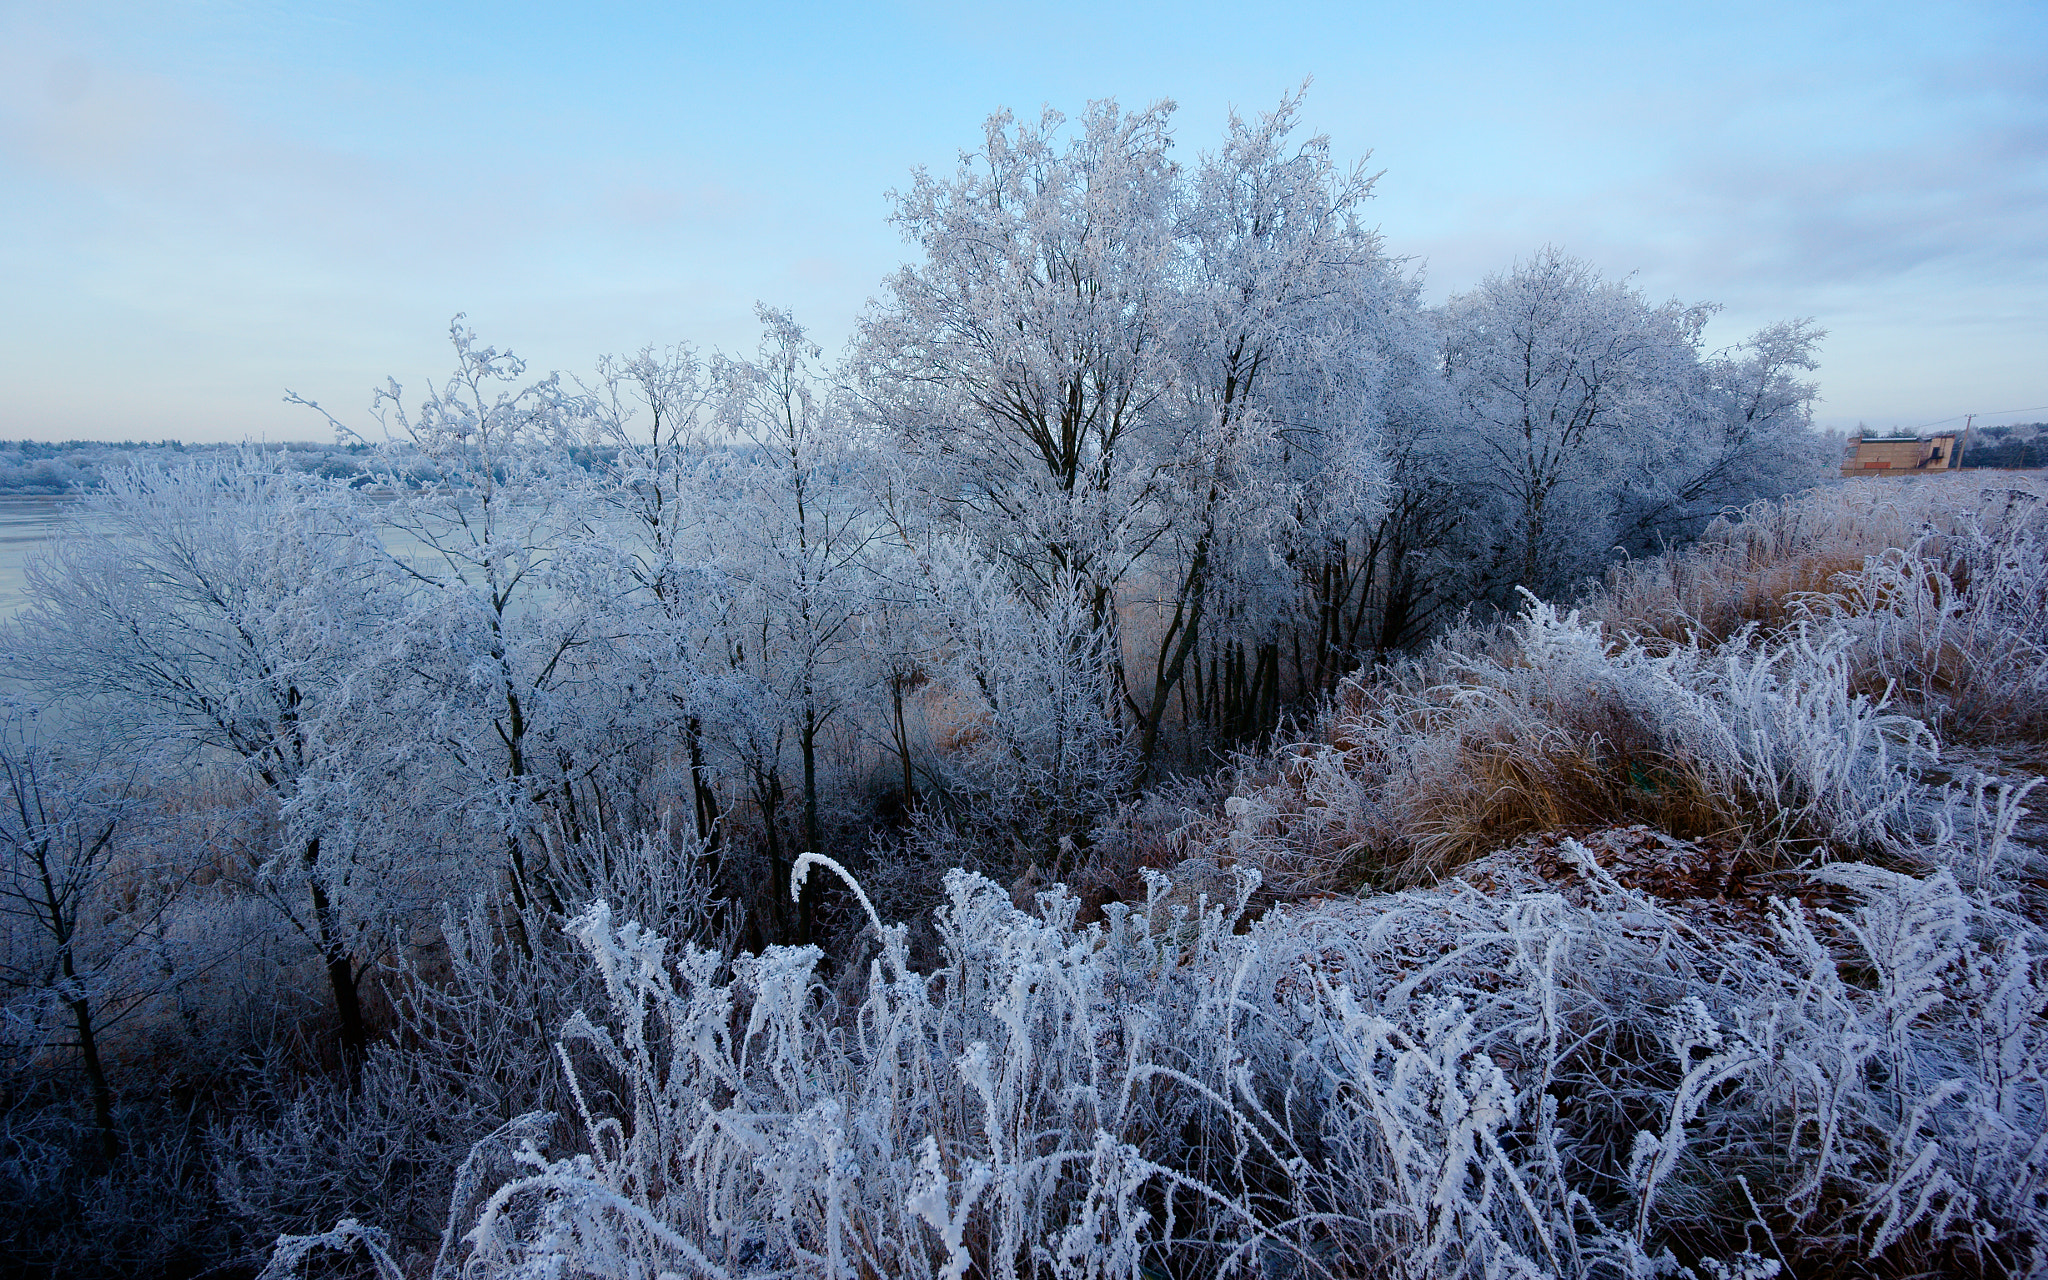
(1591, 421)
(1571, 388)
(1286, 313)
(1152, 385)
(1046, 754)
(1393, 578)
(654, 411)
(786, 539)
(63, 931)
(215, 617)
(483, 659)
(1751, 436)
(1021, 369)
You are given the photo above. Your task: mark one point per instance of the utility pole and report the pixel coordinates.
(1956, 463)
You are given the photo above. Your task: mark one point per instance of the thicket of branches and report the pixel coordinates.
(615, 828)
(1804, 1036)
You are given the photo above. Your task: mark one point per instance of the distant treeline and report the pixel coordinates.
(76, 466)
(80, 466)
(2020, 444)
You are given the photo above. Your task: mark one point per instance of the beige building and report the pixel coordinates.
(1902, 455)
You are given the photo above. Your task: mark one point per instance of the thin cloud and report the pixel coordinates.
(1975, 206)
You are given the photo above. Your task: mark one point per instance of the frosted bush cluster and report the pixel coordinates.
(1943, 585)
(1803, 729)
(1518, 1079)
(1497, 1074)
(1558, 724)
(1959, 617)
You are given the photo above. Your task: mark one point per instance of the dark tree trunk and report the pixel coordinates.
(897, 684)
(341, 972)
(768, 794)
(706, 800)
(95, 1072)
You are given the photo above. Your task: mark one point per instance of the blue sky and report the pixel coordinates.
(203, 204)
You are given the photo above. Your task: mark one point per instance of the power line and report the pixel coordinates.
(1997, 413)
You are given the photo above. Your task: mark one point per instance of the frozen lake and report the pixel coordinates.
(26, 521)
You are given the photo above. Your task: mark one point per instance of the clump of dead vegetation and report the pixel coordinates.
(1786, 690)
(1941, 584)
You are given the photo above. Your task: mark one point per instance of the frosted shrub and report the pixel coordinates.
(1043, 751)
(1959, 619)
(1753, 563)
(1436, 762)
(1775, 728)
(1781, 684)
(472, 1052)
(991, 1108)
(1940, 584)
(1922, 1092)
(1779, 728)
(1497, 1077)
(1574, 1082)
(386, 1148)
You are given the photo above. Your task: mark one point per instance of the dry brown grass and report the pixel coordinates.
(1410, 781)
(1594, 765)
(1420, 768)
(1760, 564)
(1715, 593)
